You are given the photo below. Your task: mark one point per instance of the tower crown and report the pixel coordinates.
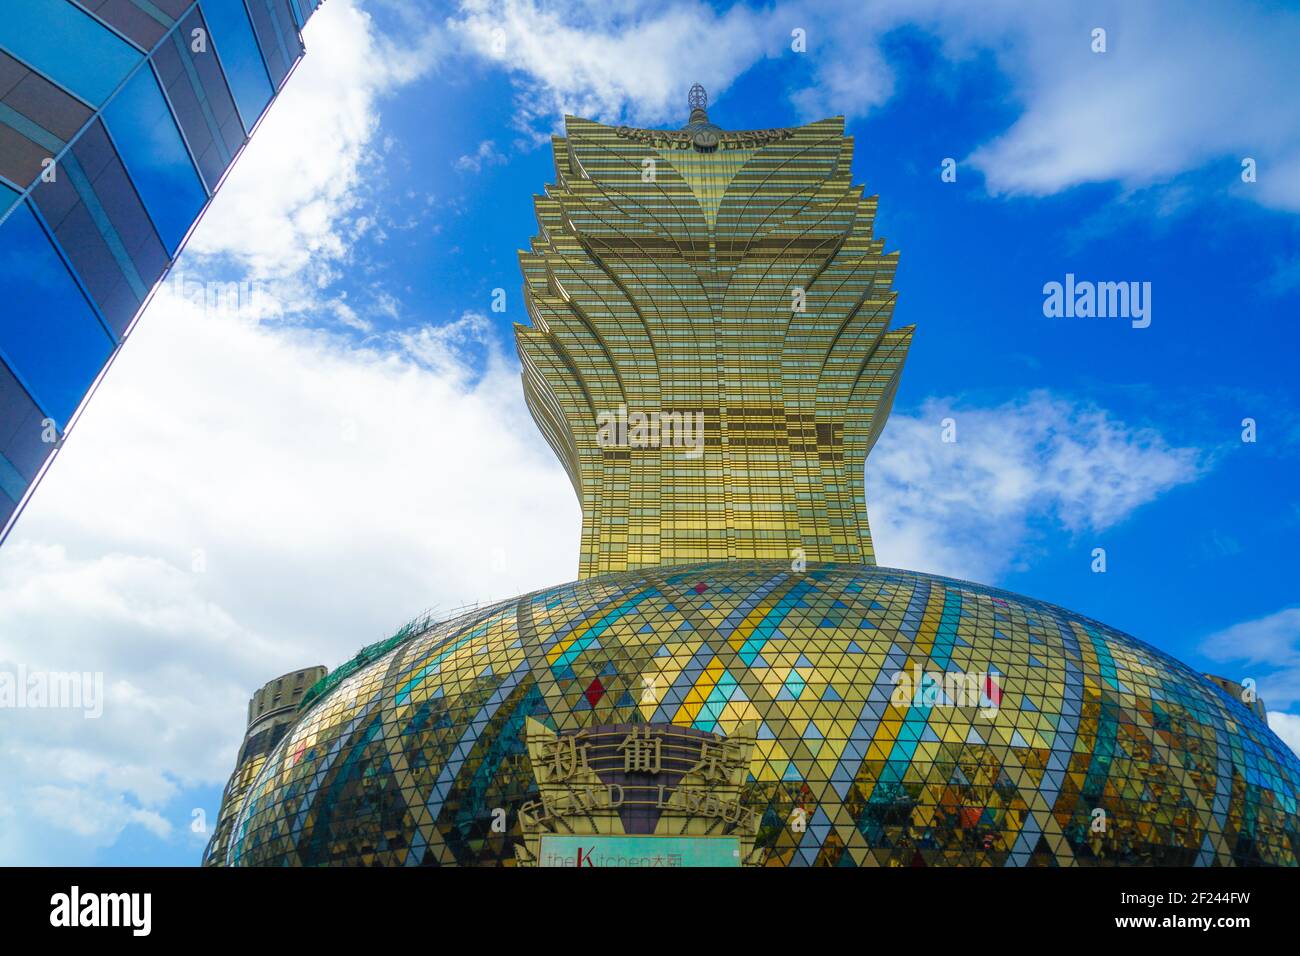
(698, 101)
(709, 352)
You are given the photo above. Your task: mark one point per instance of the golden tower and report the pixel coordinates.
(710, 354)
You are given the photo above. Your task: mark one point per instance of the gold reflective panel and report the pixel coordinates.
(737, 302)
(818, 718)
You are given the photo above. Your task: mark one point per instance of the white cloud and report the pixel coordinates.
(848, 84)
(613, 61)
(448, 349)
(1269, 638)
(1269, 644)
(81, 812)
(1287, 727)
(1180, 87)
(969, 508)
(323, 493)
(1266, 649)
(289, 209)
(486, 155)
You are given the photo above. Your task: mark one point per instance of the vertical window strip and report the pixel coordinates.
(99, 216)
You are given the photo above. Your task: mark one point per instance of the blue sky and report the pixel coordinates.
(260, 487)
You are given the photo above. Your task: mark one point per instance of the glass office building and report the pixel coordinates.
(733, 681)
(118, 121)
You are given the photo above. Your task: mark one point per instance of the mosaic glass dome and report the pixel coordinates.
(407, 753)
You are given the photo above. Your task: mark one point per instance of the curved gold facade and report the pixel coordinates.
(729, 285)
(888, 719)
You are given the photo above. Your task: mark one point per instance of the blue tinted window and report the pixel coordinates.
(48, 334)
(155, 157)
(12, 484)
(7, 198)
(232, 35)
(67, 45)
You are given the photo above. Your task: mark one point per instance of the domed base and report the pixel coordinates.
(893, 718)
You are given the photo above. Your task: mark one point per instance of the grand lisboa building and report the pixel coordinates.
(732, 680)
